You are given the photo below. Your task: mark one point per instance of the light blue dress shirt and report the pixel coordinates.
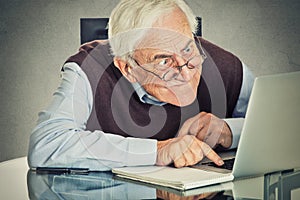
(60, 137)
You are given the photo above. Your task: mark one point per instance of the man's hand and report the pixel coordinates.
(184, 151)
(208, 128)
(163, 194)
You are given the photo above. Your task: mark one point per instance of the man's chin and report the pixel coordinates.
(184, 96)
(180, 100)
(184, 101)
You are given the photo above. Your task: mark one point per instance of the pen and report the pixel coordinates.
(61, 170)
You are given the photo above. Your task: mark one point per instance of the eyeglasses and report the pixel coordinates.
(166, 68)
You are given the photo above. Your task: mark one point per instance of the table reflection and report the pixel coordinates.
(95, 185)
(104, 185)
(281, 185)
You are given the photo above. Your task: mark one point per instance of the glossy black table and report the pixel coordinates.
(18, 182)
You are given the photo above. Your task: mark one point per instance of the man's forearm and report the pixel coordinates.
(60, 138)
(54, 145)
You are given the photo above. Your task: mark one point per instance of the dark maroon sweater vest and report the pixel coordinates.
(118, 110)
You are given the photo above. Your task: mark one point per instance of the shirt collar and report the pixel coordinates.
(146, 97)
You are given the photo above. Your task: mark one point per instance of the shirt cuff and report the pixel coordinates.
(141, 151)
(236, 125)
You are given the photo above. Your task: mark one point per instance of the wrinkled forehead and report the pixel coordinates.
(159, 39)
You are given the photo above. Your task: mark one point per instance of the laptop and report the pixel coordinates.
(269, 140)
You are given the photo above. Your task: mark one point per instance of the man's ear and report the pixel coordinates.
(125, 69)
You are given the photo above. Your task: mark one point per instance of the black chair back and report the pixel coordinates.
(97, 28)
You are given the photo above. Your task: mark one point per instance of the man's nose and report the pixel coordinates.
(185, 74)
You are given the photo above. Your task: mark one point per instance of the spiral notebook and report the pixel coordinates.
(177, 178)
(271, 126)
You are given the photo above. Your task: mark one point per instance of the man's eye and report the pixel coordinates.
(187, 51)
(165, 61)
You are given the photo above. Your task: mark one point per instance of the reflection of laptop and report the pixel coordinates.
(269, 141)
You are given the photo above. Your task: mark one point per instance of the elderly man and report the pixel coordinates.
(154, 93)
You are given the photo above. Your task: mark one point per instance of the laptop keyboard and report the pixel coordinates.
(211, 166)
(228, 164)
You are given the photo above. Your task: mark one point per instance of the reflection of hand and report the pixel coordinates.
(162, 194)
(208, 128)
(184, 151)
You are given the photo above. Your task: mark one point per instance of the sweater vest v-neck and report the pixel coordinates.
(117, 108)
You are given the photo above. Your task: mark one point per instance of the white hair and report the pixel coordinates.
(130, 20)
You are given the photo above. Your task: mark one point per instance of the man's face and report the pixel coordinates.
(165, 47)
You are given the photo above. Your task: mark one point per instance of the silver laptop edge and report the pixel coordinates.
(270, 139)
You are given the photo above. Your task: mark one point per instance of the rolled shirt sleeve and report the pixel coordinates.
(239, 112)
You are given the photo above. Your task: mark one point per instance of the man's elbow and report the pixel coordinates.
(35, 157)
(39, 154)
